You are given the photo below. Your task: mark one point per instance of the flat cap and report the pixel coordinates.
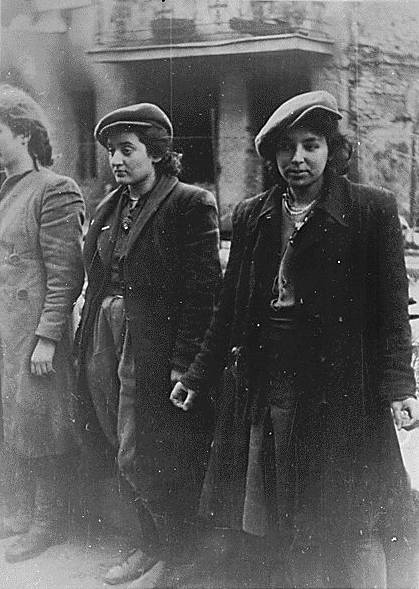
(292, 112)
(146, 115)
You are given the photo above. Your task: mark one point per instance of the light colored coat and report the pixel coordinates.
(41, 276)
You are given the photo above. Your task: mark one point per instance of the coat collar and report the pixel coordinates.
(103, 210)
(333, 209)
(158, 195)
(334, 202)
(113, 202)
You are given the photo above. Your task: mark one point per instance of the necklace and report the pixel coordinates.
(293, 210)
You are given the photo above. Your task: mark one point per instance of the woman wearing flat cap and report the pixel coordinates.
(312, 330)
(151, 256)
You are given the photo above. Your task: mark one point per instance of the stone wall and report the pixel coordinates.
(374, 74)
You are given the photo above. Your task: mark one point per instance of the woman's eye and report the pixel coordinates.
(126, 151)
(285, 147)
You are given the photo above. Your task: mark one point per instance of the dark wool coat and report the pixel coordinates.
(171, 275)
(350, 283)
(41, 276)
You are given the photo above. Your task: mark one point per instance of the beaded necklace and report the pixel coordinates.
(298, 216)
(293, 210)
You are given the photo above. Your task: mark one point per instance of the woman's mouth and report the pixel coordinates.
(297, 173)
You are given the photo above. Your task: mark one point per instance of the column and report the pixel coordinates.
(238, 166)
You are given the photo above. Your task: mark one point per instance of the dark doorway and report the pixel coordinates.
(276, 80)
(194, 104)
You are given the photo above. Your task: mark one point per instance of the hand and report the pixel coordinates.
(175, 376)
(406, 413)
(42, 357)
(182, 397)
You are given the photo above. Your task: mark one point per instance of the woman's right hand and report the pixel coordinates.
(42, 357)
(182, 397)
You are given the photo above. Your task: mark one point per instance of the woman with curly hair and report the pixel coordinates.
(41, 276)
(312, 325)
(151, 256)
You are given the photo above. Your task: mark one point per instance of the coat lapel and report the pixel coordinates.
(104, 210)
(332, 213)
(158, 195)
(262, 211)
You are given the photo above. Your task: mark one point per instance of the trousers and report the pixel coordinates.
(112, 385)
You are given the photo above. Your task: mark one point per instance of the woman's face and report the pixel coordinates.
(13, 148)
(129, 160)
(301, 157)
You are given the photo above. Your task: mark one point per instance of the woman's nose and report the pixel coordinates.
(298, 155)
(116, 158)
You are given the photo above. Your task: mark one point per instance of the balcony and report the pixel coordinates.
(173, 30)
(267, 17)
(128, 23)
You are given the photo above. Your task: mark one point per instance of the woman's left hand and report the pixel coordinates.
(175, 376)
(181, 397)
(42, 357)
(406, 413)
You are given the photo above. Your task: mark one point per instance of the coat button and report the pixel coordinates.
(22, 294)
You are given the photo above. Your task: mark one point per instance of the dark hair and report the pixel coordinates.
(25, 117)
(170, 163)
(339, 146)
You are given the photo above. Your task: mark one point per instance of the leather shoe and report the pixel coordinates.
(31, 544)
(137, 563)
(152, 579)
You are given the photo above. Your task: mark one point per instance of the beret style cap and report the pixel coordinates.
(293, 111)
(146, 115)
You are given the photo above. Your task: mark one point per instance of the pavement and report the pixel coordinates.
(82, 562)
(78, 564)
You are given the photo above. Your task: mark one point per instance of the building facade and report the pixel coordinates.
(219, 68)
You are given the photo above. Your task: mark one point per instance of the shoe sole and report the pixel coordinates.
(151, 579)
(127, 578)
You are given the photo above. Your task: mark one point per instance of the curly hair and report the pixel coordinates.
(25, 117)
(339, 147)
(171, 161)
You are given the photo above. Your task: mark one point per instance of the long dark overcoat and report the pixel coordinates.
(41, 276)
(171, 275)
(350, 282)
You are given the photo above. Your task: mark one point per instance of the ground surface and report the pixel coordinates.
(78, 564)
(81, 564)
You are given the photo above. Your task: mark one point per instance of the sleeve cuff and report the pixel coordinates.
(49, 333)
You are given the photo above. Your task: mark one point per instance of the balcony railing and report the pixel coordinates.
(138, 22)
